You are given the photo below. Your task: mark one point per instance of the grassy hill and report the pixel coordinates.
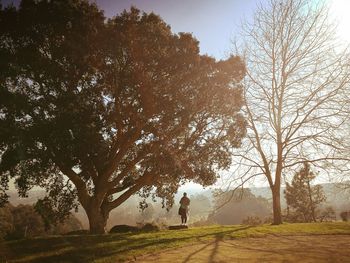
(121, 247)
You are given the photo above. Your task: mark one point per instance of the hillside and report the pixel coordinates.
(122, 247)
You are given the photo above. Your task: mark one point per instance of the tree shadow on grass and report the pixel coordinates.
(218, 238)
(88, 248)
(317, 246)
(291, 246)
(43, 249)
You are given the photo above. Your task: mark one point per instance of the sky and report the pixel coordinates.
(213, 22)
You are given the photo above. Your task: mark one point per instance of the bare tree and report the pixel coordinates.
(294, 93)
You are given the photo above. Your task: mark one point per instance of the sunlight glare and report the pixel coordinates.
(339, 11)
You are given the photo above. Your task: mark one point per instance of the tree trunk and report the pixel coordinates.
(276, 202)
(97, 220)
(312, 206)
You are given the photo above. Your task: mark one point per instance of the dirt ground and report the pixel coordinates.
(320, 248)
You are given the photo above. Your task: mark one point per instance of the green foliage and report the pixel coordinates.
(147, 214)
(23, 221)
(57, 205)
(6, 220)
(303, 199)
(118, 106)
(26, 223)
(68, 224)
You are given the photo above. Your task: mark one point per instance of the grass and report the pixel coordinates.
(121, 247)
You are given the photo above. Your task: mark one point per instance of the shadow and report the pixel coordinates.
(298, 248)
(270, 251)
(312, 247)
(89, 248)
(188, 258)
(215, 249)
(218, 237)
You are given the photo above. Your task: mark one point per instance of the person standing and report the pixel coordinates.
(183, 210)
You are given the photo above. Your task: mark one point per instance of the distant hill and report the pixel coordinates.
(336, 197)
(33, 196)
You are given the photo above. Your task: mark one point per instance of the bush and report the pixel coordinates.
(345, 216)
(6, 221)
(78, 232)
(23, 221)
(123, 229)
(327, 215)
(150, 227)
(268, 220)
(202, 222)
(252, 221)
(27, 223)
(177, 227)
(147, 227)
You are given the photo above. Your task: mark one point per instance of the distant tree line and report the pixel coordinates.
(305, 202)
(154, 213)
(23, 221)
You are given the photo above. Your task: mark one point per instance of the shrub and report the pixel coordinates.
(150, 227)
(78, 232)
(345, 215)
(6, 221)
(252, 221)
(202, 222)
(123, 229)
(327, 215)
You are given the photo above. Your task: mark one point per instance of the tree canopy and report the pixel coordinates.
(101, 109)
(304, 199)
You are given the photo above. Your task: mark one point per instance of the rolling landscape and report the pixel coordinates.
(174, 131)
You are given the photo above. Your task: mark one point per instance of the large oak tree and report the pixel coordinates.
(103, 109)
